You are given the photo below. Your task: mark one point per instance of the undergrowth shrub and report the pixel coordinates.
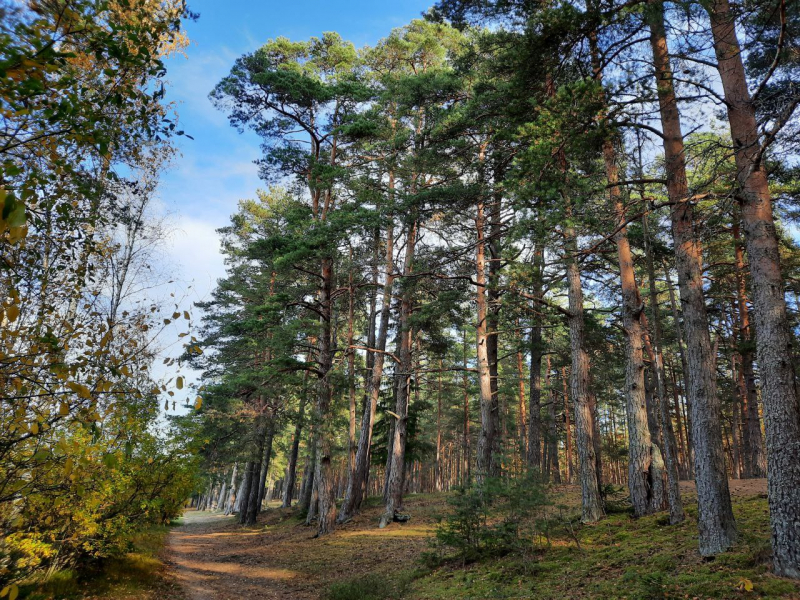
(492, 518)
(616, 499)
(370, 587)
(92, 504)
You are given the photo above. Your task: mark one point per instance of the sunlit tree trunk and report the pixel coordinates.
(774, 343)
(585, 430)
(487, 452)
(716, 524)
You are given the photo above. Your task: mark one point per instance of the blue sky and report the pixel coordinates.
(216, 170)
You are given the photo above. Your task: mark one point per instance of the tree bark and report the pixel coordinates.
(567, 426)
(493, 256)
(553, 468)
(437, 472)
(487, 450)
(351, 371)
(244, 497)
(270, 435)
(306, 489)
(228, 508)
(466, 475)
(774, 344)
(537, 350)
(755, 460)
(250, 505)
(323, 474)
(221, 498)
(237, 502)
(291, 467)
(676, 513)
(716, 524)
(522, 417)
(356, 488)
(585, 431)
(641, 474)
(684, 370)
(395, 476)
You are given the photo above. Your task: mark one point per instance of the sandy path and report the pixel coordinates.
(214, 559)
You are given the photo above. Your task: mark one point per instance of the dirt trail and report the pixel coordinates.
(213, 558)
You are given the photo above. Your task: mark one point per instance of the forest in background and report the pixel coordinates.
(514, 237)
(512, 244)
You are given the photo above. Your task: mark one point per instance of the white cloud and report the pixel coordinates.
(194, 251)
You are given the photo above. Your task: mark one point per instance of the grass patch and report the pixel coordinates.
(373, 586)
(368, 587)
(622, 557)
(134, 575)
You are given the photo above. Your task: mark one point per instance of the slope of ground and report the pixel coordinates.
(138, 575)
(621, 557)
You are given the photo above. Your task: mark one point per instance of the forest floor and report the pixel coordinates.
(214, 558)
(208, 556)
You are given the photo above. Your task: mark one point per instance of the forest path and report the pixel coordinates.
(212, 557)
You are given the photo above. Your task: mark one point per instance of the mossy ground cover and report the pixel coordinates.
(626, 558)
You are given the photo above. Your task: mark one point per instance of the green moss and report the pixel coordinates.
(622, 557)
(373, 586)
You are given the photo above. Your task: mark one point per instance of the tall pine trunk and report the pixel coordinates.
(716, 524)
(306, 488)
(397, 446)
(356, 488)
(270, 435)
(488, 464)
(291, 467)
(684, 370)
(522, 417)
(243, 501)
(493, 257)
(585, 430)
(250, 501)
(537, 350)
(231, 497)
(676, 513)
(755, 460)
(323, 473)
(351, 371)
(642, 472)
(774, 344)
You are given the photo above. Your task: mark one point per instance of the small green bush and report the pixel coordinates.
(616, 499)
(368, 587)
(491, 518)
